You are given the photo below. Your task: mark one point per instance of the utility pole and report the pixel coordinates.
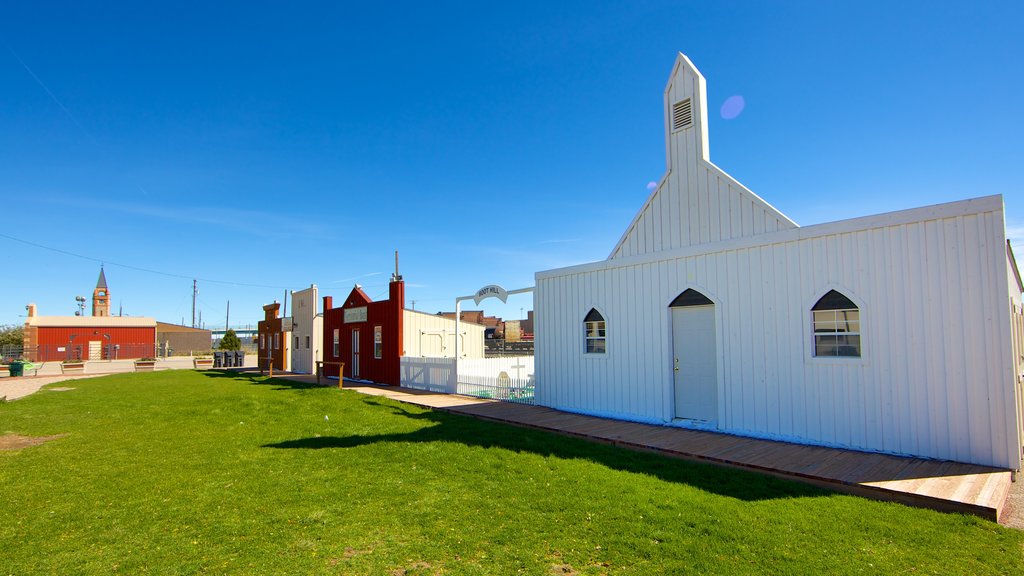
(194, 291)
(227, 318)
(200, 318)
(285, 312)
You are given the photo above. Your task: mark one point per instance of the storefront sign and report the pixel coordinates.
(355, 315)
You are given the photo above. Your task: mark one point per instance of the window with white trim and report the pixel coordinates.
(337, 342)
(835, 321)
(594, 333)
(262, 343)
(277, 341)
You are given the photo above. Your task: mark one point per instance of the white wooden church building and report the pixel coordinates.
(895, 333)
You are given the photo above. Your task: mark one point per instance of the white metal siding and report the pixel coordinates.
(429, 335)
(936, 378)
(695, 202)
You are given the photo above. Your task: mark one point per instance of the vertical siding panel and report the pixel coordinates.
(935, 384)
(572, 373)
(804, 295)
(707, 203)
(586, 395)
(757, 345)
(922, 284)
(745, 393)
(818, 277)
(734, 345)
(886, 335)
(656, 223)
(625, 377)
(904, 299)
(974, 334)
(955, 307)
(617, 386)
(721, 288)
(991, 303)
(777, 339)
(865, 379)
(636, 345)
(675, 210)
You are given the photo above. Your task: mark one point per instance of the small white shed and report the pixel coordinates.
(896, 333)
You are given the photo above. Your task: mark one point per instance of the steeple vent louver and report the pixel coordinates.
(682, 115)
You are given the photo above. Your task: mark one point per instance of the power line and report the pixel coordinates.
(137, 268)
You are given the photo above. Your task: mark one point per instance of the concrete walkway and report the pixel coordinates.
(50, 373)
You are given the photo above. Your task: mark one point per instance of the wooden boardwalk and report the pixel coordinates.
(940, 485)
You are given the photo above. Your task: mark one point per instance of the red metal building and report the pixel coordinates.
(56, 338)
(97, 337)
(366, 335)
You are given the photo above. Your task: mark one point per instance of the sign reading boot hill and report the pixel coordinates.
(490, 291)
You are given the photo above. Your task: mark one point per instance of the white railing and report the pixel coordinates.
(433, 374)
(509, 379)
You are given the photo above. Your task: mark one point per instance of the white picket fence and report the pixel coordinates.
(509, 379)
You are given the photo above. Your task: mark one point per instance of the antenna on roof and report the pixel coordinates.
(396, 276)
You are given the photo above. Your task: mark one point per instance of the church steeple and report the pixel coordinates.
(101, 296)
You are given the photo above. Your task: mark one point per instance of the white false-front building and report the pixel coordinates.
(895, 333)
(307, 330)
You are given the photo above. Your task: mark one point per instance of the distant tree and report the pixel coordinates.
(230, 341)
(12, 335)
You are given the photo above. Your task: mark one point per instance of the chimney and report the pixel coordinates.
(328, 303)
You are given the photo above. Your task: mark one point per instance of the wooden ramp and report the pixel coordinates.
(940, 485)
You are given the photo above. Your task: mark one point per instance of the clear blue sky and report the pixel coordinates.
(284, 144)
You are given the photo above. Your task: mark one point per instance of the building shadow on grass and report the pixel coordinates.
(254, 377)
(454, 428)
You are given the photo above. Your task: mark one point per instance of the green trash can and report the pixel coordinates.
(17, 368)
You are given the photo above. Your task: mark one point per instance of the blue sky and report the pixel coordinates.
(277, 145)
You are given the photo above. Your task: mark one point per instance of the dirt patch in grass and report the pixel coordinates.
(17, 441)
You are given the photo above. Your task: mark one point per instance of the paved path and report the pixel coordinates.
(50, 373)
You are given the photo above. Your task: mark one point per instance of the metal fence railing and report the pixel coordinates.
(500, 387)
(86, 351)
(509, 379)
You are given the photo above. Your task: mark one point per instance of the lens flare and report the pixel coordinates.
(651, 186)
(733, 107)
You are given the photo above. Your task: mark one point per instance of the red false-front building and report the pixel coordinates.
(366, 335)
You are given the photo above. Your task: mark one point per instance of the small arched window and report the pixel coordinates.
(835, 320)
(594, 333)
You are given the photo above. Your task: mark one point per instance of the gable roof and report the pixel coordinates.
(356, 298)
(695, 202)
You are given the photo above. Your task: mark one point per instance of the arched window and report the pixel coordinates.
(835, 320)
(691, 297)
(594, 333)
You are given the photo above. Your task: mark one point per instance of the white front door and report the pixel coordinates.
(355, 353)
(695, 362)
(95, 350)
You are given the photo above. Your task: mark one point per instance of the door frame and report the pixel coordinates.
(355, 350)
(670, 389)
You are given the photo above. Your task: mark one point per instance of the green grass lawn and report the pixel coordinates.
(189, 472)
